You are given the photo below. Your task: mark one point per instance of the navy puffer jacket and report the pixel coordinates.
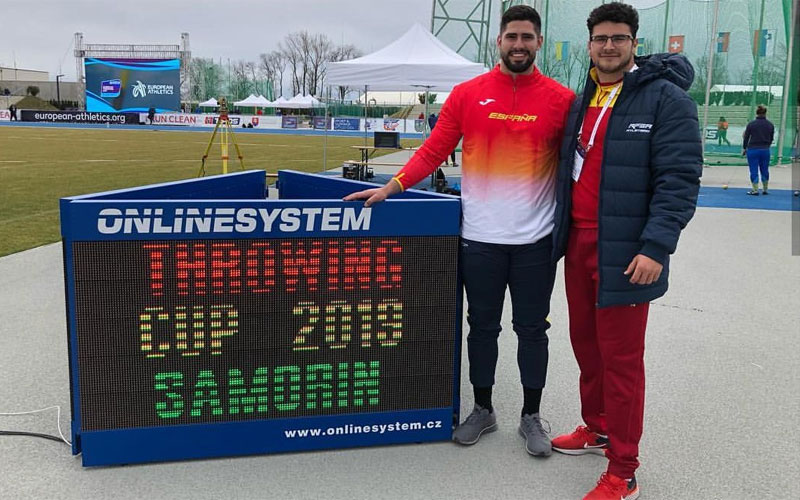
(650, 177)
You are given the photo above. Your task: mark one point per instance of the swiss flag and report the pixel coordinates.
(675, 44)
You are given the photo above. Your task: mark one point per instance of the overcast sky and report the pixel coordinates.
(38, 34)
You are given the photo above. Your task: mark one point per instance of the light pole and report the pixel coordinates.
(58, 90)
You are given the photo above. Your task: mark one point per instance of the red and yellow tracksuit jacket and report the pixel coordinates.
(512, 129)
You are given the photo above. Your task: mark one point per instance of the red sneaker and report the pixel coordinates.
(580, 442)
(611, 487)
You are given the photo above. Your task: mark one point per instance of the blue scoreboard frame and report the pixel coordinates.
(113, 423)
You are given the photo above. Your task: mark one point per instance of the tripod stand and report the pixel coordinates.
(226, 136)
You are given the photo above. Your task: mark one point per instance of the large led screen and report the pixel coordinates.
(115, 85)
(205, 331)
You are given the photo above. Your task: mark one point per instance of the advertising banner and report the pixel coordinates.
(289, 122)
(33, 115)
(5, 115)
(391, 124)
(321, 123)
(132, 84)
(346, 123)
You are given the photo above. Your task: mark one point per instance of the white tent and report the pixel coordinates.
(251, 102)
(211, 103)
(280, 102)
(415, 61)
(301, 101)
(264, 102)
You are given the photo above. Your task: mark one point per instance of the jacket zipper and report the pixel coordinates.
(600, 196)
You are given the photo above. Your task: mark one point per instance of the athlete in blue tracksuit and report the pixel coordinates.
(758, 137)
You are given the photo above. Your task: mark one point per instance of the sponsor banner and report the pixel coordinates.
(320, 122)
(5, 115)
(32, 115)
(212, 120)
(346, 124)
(289, 122)
(176, 119)
(419, 125)
(391, 124)
(374, 124)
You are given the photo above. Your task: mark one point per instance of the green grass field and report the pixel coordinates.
(40, 165)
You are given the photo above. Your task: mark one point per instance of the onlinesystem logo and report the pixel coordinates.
(140, 89)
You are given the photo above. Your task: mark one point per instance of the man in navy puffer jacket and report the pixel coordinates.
(627, 185)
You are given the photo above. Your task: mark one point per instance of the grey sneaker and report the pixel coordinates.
(478, 422)
(537, 440)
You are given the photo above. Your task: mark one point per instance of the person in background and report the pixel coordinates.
(13, 110)
(722, 131)
(628, 183)
(758, 137)
(511, 120)
(151, 114)
(432, 120)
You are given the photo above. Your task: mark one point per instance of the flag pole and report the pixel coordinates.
(756, 57)
(787, 82)
(710, 69)
(545, 67)
(665, 42)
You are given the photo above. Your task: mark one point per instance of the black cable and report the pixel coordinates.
(33, 434)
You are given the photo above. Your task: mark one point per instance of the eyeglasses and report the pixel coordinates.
(615, 39)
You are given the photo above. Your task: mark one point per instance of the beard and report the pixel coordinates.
(519, 67)
(607, 67)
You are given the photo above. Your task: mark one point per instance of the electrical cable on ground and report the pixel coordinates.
(36, 434)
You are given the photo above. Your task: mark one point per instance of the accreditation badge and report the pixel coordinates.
(577, 166)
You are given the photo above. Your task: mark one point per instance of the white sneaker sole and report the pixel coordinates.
(582, 451)
(483, 431)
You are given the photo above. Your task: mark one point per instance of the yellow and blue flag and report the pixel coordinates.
(562, 51)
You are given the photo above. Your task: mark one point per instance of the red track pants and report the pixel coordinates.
(609, 347)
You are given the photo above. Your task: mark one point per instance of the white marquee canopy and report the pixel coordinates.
(415, 61)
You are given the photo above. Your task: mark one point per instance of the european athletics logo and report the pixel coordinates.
(139, 90)
(110, 88)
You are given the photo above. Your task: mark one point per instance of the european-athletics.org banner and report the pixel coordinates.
(31, 115)
(133, 85)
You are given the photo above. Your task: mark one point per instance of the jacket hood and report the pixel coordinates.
(672, 67)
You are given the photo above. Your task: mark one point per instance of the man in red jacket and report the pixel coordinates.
(511, 120)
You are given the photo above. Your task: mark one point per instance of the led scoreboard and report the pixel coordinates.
(206, 320)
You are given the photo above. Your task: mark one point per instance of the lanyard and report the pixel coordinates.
(599, 118)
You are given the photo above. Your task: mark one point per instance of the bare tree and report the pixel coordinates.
(272, 65)
(241, 84)
(292, 49)
(320, 52)
(254, 74)
(344, 53)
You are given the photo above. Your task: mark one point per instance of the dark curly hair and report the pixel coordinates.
(521, 13)
(616, 12)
